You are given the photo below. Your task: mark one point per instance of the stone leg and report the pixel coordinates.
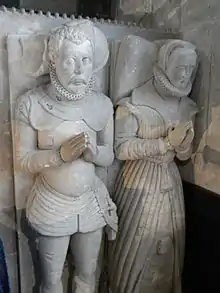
(85, 248)
(52, 252)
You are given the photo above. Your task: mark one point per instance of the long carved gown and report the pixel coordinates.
(147, 256)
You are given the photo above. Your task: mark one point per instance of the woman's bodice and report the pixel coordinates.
(151, 124)
(156, 114)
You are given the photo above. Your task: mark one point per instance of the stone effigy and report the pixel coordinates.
(153, 126)
(60, 138)
(23, 66)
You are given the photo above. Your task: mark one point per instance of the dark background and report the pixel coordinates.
(92, 8)
(202, 257)
(10, 3)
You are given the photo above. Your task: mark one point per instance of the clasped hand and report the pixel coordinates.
(180, 135)
(76, 146)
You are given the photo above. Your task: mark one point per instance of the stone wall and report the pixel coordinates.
(198, 21)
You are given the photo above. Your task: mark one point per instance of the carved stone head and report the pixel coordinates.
(71, 53)
(72, 50)
(178, 60)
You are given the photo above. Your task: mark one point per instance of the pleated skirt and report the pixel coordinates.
(147, 256)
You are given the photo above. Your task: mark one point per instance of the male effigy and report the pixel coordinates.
(65, 128)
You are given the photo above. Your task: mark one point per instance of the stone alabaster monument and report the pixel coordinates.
(153, 126)
(23, 67)
(63, 130)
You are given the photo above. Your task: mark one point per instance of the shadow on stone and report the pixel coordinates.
(31, 235)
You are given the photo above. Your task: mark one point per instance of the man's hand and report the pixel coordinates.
(73, 148)
(90, 152)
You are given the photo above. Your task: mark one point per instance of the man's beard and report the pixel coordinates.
(77, 89)
(63, 94)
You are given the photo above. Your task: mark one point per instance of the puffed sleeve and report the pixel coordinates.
(127, 145)
(28, 157)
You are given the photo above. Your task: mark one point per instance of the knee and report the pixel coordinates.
(51, 287)
(88, 269)
(87, 276)
(84, 285)
(53, 280)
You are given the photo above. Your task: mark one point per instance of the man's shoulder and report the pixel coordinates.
(28, 102)
(31, 96)
(101, 101)
(98, 111)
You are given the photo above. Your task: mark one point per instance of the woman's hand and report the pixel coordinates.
(177, 134)
(187, 140)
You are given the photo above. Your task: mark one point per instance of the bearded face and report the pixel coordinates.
(74, 65)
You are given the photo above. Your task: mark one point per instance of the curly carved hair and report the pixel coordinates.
(77, 32)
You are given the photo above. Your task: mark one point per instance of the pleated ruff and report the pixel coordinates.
(147, 256)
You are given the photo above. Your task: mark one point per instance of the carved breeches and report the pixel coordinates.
(85, 250)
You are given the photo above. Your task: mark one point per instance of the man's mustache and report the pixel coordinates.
(76, 80)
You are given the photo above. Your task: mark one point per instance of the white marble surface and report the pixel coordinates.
(31, 27)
